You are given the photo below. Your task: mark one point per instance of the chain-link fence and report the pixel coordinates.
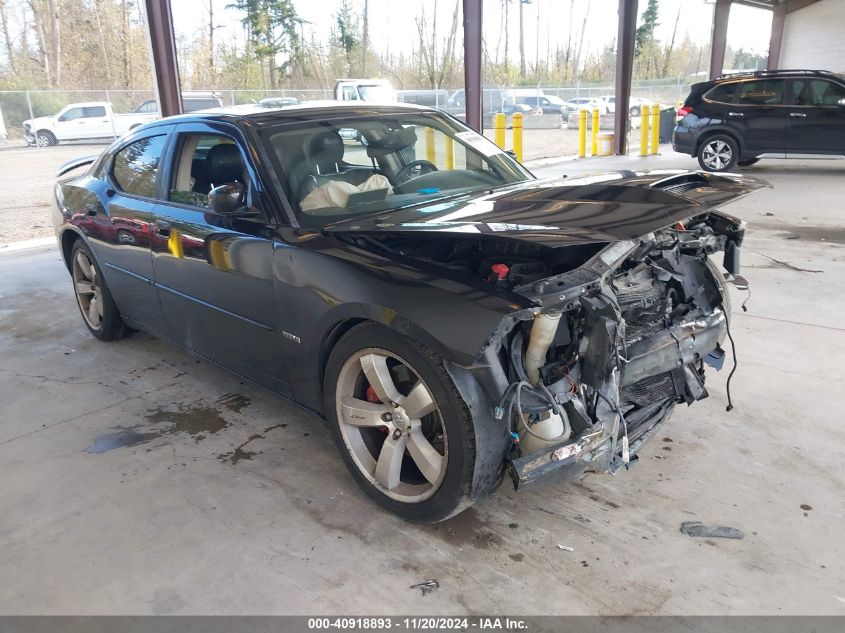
(18, 106)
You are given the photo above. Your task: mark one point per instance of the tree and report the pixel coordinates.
(347, 32)
(671, 46)
(748, 60)
(272, 30)
(7, 38)
(645, 32)
(522, 38)
(365, 43)
(645, 44)
(438, 60)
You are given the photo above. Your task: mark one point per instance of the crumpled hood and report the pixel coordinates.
(562, 212)
(38, 122)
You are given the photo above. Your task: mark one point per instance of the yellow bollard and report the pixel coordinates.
(582, 133)
(430, 154)
(655, 128)
(644, 131)
(517, 135)
(499, 129)
(594, 145)
(450, 153)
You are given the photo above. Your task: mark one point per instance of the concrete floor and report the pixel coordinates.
(136, 480)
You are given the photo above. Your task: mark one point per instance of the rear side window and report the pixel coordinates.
(816, 92)
(135, 167)
(192, 105)
(95, 111)
(725, 93)
(766, 92)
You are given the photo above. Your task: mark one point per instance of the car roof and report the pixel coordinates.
(88, 104)
(309, 111)
(753, 75)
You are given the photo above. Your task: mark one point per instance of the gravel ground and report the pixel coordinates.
(29, 173)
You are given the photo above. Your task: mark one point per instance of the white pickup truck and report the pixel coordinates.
(81, 122)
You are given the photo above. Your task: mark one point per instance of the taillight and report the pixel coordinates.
(684, 110)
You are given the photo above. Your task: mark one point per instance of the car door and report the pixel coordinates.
(98, 122)
(71, 124)
(214, 273)
(119, 227)
(760, 116)
(816, 117)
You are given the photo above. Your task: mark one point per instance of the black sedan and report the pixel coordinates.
(453, 319)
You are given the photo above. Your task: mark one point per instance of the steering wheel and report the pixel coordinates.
(424, 167)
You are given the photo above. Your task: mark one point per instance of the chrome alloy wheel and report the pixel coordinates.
(717, 154)
(391, 425)
(86, 285)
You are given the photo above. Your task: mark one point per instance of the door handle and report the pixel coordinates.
(798, 115)
(736, 114)
(162, 228)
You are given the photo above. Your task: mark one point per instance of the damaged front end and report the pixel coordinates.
(579, 383)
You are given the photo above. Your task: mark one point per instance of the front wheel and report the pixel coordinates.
(718, 153)
(45, 138)
(399, 423)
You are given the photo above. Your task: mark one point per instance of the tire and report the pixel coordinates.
(89, 287)
(125, 237)
(45, 138)
(398, 364)
(718, 152)
(747, 163)
(635, 111)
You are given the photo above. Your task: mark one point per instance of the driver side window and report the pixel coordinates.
(203, 162)
(72, 115)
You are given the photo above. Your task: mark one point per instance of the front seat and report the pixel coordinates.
(324, 155)
(223, 165)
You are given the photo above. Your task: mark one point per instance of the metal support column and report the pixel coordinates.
(163, 54)
(472, 62)
(624, 70)
(778, 20)
(719, 37)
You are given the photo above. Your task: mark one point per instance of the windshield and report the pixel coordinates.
(376, 92)
(338, 169)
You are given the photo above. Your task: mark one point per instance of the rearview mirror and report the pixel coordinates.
(227, 199)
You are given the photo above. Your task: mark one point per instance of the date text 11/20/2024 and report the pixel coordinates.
(419, 623)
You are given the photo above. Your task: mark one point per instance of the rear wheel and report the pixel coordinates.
(718, 153)
(95, 302)
(399, 424)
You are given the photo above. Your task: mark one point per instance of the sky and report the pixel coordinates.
(392, 21)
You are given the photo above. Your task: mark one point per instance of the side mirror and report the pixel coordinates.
(511, 153)
(227, 199)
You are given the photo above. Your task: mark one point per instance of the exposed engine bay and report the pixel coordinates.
(622, 333)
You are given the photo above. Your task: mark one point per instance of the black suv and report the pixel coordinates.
(738, 119)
